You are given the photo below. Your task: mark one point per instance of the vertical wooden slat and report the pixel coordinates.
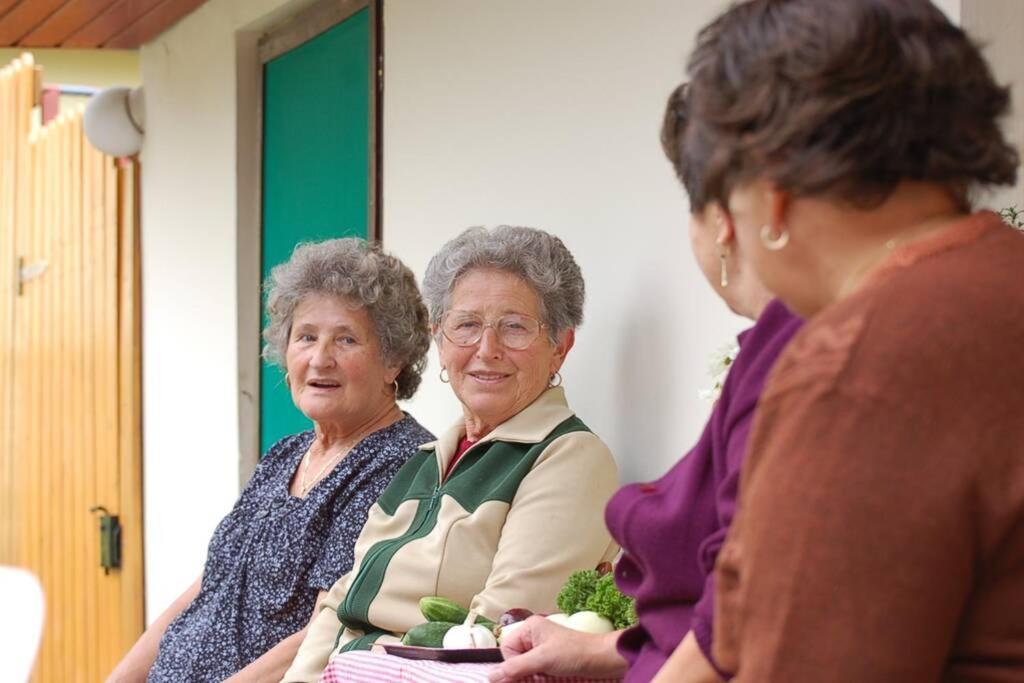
(101, 440)
(111, 425)
(80, 504)
(7, 258)
(104, 445)
(32, 389)
(129, 410)
(61, 387)
(90, 159)
(8, 261)
(101, 421)
(48, 511)
(66, 382)
(50, 409)
(26, 421)
(28, 428)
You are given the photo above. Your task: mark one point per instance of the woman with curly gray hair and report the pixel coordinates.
(347, 323)
(509, 501)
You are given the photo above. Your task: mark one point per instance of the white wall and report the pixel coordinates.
(951, 8)
(547, 114)
(998, 26)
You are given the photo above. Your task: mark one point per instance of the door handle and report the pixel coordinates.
(110, 539)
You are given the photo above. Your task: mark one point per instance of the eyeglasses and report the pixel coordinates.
(514, 331)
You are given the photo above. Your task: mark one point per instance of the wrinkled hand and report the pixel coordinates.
(542, 646)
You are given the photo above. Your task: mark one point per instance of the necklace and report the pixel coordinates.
(305, 487)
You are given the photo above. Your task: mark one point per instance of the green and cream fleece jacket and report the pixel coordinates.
(522, 509)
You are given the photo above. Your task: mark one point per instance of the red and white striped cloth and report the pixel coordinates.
(370, 667)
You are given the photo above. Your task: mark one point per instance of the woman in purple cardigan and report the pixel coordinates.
(672, 529)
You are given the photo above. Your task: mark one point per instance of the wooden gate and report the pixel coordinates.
(69, 380)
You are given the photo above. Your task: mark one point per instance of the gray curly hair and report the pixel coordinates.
(539, 258)
(360, 273)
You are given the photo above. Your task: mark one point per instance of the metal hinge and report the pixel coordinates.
(29, 272)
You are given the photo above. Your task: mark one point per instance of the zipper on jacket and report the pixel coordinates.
(372, 557)
(433, 500)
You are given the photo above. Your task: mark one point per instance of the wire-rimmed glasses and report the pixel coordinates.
(514, 330)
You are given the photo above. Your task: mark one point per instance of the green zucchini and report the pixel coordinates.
(436, 608)
(430, 634)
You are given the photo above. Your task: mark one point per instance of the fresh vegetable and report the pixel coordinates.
(589, 622)
(463, 636)
(559, 618)
(435, 608)
(574, 594)
(430, 634)
(608, 601)
(514, 615)
(588, 589)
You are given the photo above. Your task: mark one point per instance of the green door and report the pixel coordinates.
(316, 167)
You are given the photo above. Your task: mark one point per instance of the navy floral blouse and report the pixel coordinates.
(273, 553)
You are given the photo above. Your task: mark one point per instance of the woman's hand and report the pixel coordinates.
(542, 646)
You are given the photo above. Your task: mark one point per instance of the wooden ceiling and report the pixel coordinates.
(114, 24)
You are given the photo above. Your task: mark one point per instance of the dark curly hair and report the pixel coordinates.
(845, 98)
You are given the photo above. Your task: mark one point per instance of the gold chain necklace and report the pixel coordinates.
(303, 486)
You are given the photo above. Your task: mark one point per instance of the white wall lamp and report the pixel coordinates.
(115, 121)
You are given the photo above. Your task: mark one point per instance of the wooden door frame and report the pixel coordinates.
(253, 49)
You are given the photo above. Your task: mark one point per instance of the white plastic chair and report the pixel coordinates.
(21, 623)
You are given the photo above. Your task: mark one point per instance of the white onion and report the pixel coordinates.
(589, 622)
(464, 637)
(559, 618)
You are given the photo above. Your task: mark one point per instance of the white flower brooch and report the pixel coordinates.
(721, 361)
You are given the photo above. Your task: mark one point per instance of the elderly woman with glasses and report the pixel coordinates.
(509, 501)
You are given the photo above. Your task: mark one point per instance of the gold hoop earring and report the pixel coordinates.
(552, 380)
(442, 375)
(770, 241)
(724, 277)
(395, 385)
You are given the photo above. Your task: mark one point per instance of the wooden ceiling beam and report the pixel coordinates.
(115, 24)
(112, 21)
(5, 6)
(152, 24)
(21, 19)
(64, 22)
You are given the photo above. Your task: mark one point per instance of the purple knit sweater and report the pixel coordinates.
(672, 529)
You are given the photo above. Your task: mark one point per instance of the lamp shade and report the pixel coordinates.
(114, 121)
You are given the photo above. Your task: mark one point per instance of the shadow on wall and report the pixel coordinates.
(646, 374)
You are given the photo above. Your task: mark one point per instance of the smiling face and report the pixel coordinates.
(335, 369)
(494, 382)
